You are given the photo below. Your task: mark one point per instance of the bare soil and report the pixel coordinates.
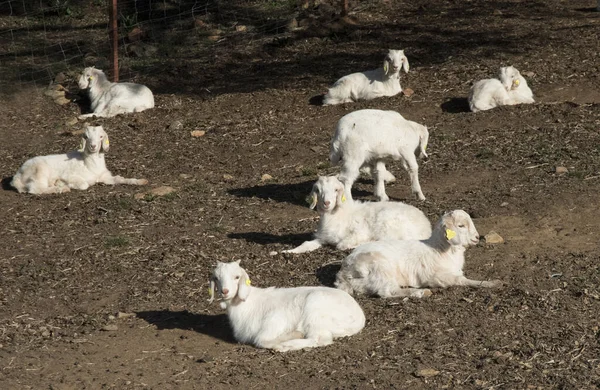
(70, 263)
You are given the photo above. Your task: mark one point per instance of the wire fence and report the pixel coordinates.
(40, 39)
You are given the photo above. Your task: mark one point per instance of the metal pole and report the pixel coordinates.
(114, 35)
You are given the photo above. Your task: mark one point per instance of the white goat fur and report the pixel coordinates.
(370, 84)
(346, 223)
(510, 89)
(78, 169)
(395, 268)
(110, 99)
(284, 319)
(364, 138)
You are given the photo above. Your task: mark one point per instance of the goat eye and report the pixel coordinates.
(237, 277)
(461, 226)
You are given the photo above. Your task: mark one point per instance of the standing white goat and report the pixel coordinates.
(110, 99)
(78, 169)
(395, 268)
(365, 138)
(370, 84)
(511, 89)
(284, 319)
(346, 223)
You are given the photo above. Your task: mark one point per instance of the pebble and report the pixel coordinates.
(227, 177)
(272, 253)
(408, 92)
(493, 238)
(504, 204)
(266, 177)
(162, 191)
(177, 125)
(197, 133)
(427, 373)
(110, 328)
(125, 315)
(561, 170)
(71, 122)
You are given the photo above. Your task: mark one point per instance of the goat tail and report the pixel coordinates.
(335, 154)
(423, 139)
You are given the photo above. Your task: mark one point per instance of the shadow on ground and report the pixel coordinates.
(216, 326)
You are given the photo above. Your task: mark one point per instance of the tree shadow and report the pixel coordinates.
(291, 193)
(216, 326)
(326, 274)
(456, 105)
(267, 238)
(6, 184)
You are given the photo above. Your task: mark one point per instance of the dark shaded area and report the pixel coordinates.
(290, 193)
(6, 184)
(216, 326)
(326, 274)
(267, 238)
(316, 100)
(456, 105)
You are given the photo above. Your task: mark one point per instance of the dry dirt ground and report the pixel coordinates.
(71, 263)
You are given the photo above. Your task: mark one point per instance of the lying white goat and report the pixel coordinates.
(78, 169)
(370, 84)
(110, 99)
(395, 268)
(284, 319)
(511, 89)
(346, 223)
(364, 138)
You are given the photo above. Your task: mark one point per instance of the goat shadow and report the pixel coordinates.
(291, 193)
(316, 100)
(294, 193)
(456, 105)
(326, 274)
(268, 238)
(6, 184)
(216, 326)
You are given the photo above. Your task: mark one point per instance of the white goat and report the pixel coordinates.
(364, 138)
(78, 169)
(370, 84)
(284, 319)
(110, 99)
(401, 268)
(511, 89)
(346, 223)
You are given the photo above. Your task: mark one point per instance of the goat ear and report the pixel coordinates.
(405, 65)
(243, 286)
(386, 66)
(449, 230)
(211, 290)
(105, 144)
(312, 199)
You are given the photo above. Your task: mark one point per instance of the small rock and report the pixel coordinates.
(292, 24)
(161, 191)
(504, 204)
(122, 315)
(427, 373)
(46, 333)
(197, 133)
(72, 122)
(55, 92)
(273, 253)
(498, 12)
(62, 100)
(408, 92)
(529, 74)
(316, 149)
(493, 238)
(111, 317)
(561, 170)
(266, 177)
(135, 35)
(241, 28)
(78, 132)
(227, 177)
(177, 125)
(213, 38)
(110, 328)
(60, 78)
(185, 176)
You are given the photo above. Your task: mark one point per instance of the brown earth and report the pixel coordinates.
(71, 262)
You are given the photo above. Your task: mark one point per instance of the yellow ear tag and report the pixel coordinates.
(425, 146)
(247, 282)
(385, 67)
(91, 78)
(343, 198)
(106, 142)
(450, 234)
(210, 292)
(516, 82)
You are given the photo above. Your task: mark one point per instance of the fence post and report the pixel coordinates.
(114, 37)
